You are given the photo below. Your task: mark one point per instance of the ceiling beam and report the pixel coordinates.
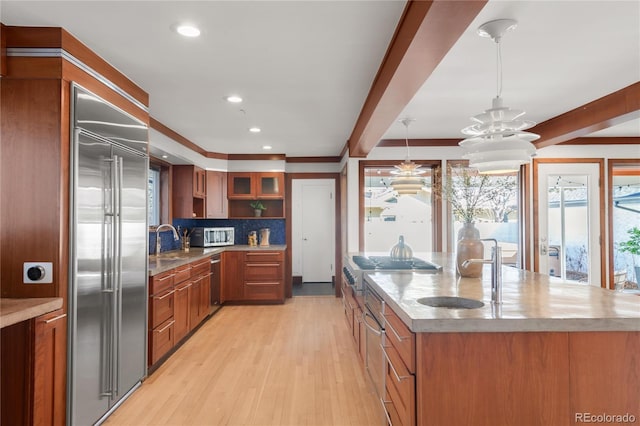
(610, 110)
(609, 140)
(418, 142)
(426, 32)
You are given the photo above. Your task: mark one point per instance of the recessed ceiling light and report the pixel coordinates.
(234, 99)
(254, 129)
(165, 156)
(188, 30)
(267, 147)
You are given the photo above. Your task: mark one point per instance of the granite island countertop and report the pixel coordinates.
(173, 259)
(531, 301)
(13, 311)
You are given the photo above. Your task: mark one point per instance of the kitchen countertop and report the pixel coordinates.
(531, 301)
(173, 259)
(13, 311)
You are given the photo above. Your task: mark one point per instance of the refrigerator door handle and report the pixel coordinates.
(117, 294)
(109, 273)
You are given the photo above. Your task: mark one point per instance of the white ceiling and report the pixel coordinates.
(304, 68)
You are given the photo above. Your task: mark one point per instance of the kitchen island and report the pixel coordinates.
(553, 353)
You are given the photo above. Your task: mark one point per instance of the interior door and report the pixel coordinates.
(314, 228)
(569, 221)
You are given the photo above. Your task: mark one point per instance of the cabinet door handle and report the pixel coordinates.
(185, 287)
(262, 264)
(55, 318)
(384, 408)
(165, 327)
(166, 295)
(166, 278)
(395, 332)
(395, 373)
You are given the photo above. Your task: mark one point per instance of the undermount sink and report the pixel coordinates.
(451, 302)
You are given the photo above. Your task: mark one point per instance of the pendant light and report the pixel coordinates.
(407, 178)
(497, 142)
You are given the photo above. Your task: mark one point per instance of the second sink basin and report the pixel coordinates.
(451, 302)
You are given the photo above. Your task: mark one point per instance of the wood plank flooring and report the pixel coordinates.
(292, 364)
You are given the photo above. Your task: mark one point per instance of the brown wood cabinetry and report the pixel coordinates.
(33, 365)
(255, 185)
(399, 366)
(181, 313)
(161, 310)
(266, 187)
(182, 298)
(355, 322)
(264, 276)
(178, 303)
(232, 271)
(216, 203)
(49, 369)
(189, 191)
(253, 276)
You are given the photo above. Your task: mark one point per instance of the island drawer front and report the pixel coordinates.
(161, 282)
(201, 267)
(264, 256)
(162, 339)
(161, 308)
(402, 339)
(400, 387)
(182, 273)
(392, 414)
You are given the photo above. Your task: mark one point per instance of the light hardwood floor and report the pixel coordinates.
(292, 364)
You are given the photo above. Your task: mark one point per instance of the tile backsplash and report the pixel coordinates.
(242, 228)
(167, 242)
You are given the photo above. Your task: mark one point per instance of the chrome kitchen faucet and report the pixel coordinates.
(496, 269)
(164, 225)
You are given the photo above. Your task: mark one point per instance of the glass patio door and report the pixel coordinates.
(569, 222)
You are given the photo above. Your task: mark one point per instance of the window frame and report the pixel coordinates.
(436, 203)
(165, 170)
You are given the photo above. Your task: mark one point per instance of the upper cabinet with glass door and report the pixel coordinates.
(255, 185)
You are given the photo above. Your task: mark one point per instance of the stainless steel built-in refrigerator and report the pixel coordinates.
(108, 257)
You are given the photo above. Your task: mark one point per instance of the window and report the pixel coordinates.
(387, 215)
(495, 208)
(624, 193)
(154, 197)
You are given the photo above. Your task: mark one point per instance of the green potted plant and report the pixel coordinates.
(632, 246)
(257, 207)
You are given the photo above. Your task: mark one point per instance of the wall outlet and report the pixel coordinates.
(37, 273)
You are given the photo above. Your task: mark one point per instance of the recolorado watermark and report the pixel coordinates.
(604, 418)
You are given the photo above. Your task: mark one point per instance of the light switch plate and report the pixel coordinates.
(47, 276)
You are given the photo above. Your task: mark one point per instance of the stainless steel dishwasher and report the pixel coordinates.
(375, 338)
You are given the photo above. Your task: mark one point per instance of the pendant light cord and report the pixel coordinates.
(499, 68)
(406, 137)
(406, 122)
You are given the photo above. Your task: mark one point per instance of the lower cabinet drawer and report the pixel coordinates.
(263, 271)
(265, 256)
(400, 387)
(263, 291)
(161, 308)
(402, 339)
(392, 415)
(202, 267)
(161, 340)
